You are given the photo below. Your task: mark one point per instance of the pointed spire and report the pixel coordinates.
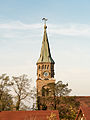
(45, 55)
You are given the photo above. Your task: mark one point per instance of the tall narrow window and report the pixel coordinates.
(48, 67)
(42, 66)
(45, 66)
(39, 67)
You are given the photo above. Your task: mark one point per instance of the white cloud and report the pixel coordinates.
(19, 26)
(71, 29)
(17, 29)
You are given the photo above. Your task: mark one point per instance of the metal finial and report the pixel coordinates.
(44, 19)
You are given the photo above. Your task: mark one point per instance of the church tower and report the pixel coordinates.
(45, 64)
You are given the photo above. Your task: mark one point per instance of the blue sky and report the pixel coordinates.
(21, 32)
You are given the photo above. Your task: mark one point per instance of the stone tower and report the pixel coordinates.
(45, 65)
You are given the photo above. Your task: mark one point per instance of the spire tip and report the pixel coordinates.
(45, 27)
(44, 19)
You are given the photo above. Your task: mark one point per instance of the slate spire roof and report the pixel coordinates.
(45, 55)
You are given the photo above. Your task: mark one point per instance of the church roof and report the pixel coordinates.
(45, 55)
(29, 115)
(85, 111)
(84, 100)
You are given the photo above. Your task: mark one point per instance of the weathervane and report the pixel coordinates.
(44, 19)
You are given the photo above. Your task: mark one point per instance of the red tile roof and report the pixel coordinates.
(84, 100)
(29, 115)
(85, 111)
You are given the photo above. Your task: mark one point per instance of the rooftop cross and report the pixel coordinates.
(44, 19)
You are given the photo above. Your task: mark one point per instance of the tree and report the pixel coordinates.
(53, 91)
(56, 97)
(68, 108)
(23, 91)
(6, 101)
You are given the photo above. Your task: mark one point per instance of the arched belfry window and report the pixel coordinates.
(48, 67)
(39, 75)
(42, 66)
(45, 66)
(39, 67)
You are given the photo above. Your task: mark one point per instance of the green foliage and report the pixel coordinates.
(58, 89)
(16, 93)
(68, 108)
(6, 101)
(58, 99)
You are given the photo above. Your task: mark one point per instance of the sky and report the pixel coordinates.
(68, 29)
